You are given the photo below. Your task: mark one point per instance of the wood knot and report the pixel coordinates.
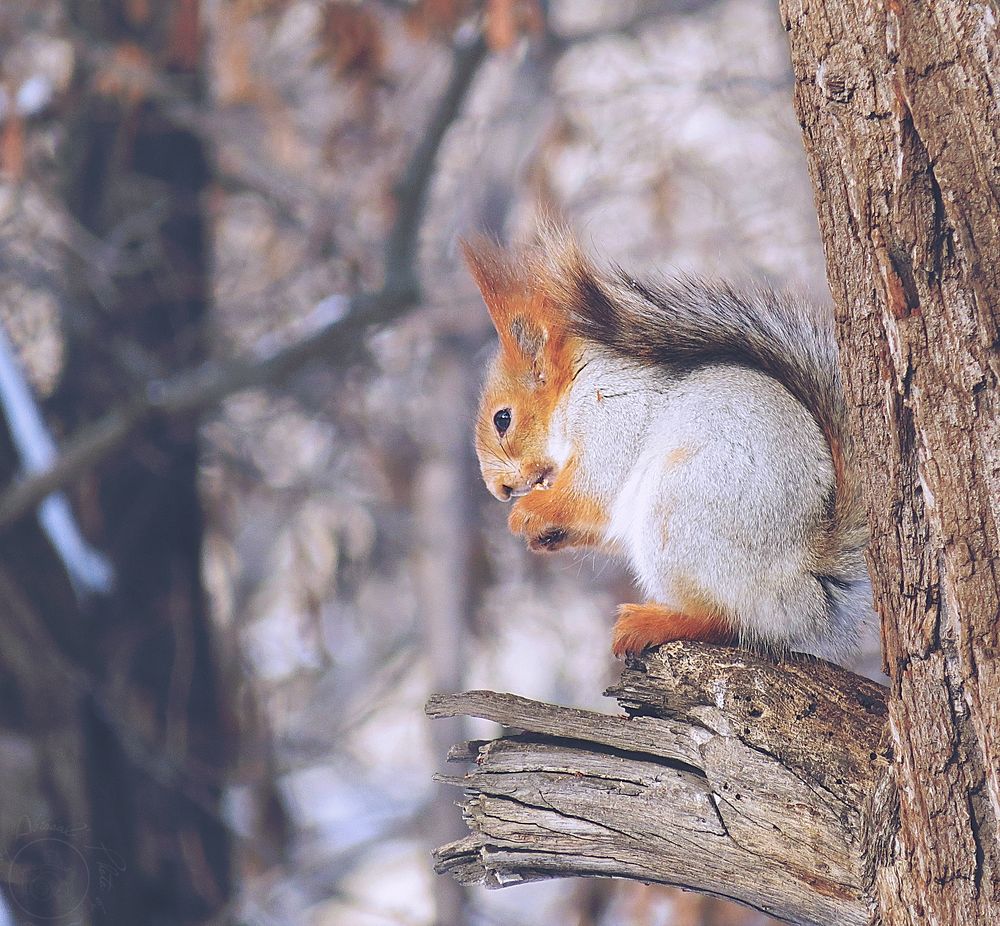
(835, 84)
(844, 77)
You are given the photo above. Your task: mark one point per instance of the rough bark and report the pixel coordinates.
(899, 109)
(731, 774)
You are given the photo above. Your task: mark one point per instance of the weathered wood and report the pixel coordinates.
(729, 773)
(899, 111)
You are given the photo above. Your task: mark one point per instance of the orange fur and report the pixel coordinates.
(643, 625)
(532, 372)
(679, 455)
(559, 517)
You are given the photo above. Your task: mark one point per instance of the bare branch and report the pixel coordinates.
(191, 390)
(731, 774)
(411, 191)
(89, 571)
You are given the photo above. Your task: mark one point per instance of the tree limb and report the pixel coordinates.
(191, 390)
(730, 773)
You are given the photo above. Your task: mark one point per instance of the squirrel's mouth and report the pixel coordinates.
(539, 482)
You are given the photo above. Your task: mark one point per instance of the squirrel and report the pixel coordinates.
(696, 430)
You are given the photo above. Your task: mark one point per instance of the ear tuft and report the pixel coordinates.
(518, 293)
(493, 268)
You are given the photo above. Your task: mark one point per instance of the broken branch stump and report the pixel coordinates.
(730, 773)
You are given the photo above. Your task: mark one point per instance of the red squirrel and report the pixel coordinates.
(695, 430)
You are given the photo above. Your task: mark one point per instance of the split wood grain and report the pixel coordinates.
(730, 773)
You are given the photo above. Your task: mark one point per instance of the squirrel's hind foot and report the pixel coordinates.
(640, 626)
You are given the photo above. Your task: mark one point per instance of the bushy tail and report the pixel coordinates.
(688, 323)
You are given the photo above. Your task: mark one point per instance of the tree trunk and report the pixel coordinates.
(443, 512)
(899, 110)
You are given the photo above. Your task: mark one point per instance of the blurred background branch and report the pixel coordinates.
(341, 339)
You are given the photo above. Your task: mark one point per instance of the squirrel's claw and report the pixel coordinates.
(553, 539)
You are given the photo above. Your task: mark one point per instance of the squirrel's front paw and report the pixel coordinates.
(522, 520)
(542, 535)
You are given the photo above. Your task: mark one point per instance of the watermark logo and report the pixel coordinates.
(55, 873)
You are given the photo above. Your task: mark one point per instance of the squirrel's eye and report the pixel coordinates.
(501, 421)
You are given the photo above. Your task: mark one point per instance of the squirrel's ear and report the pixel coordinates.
(530, 338)
(494, 270)
(515, 306)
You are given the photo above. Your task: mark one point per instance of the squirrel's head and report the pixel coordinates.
(518, 447)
